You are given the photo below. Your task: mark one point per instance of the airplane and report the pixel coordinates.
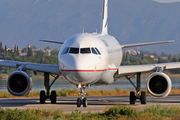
(87, 59)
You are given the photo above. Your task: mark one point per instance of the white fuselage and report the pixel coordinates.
(90, 59)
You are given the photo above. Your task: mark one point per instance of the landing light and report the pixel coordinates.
(79, 86)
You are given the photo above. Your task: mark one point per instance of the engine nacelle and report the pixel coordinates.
(19, 83)
(159, 85)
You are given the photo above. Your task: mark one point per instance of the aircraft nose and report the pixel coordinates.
(81, 69)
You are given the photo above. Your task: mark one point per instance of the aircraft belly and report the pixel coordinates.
(83, 77)
(106, 78)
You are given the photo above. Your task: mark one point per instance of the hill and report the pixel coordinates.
(130, 21)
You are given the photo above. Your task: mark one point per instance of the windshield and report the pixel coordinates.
(98, 51)
(74, 50)
(65, 50)
(85, 50)
(94, 51)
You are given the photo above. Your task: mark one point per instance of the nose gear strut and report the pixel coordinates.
(82, 100)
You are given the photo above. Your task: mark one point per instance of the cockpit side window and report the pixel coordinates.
(98, 51)
(65, 50)
(94, 51)
(85, 51)
(74, 50)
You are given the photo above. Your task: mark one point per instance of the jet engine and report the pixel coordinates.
(159, 85)
(19, 83)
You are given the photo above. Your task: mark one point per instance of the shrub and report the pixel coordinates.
(58, 115)
(160, 111)
(76, 115)
(121, 111)
(16, 114)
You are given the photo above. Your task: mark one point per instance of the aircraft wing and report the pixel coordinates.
(52, 41)
(132, 69)
(143, 44)
(54, 69)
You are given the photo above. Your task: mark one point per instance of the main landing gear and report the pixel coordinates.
(133, 97)
(43, 96)
(82, 100)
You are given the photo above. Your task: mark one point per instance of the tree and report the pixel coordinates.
(5, 48)
(14, 48)
(1, 48)
(155, 54)
(142, 54)
(55, 52)
(17, 50)
(47, 51)
(39, 54)
(174, 59)
(24, 50)
(163, 54)
(170, 57)
(33, 47)
(30, 52)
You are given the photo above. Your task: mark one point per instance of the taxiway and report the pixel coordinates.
(95, 103)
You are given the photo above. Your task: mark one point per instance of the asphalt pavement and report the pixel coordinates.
(95, 103)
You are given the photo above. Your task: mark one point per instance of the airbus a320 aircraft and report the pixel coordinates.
(87, 59)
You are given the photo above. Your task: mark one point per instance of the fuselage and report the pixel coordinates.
(90, 59)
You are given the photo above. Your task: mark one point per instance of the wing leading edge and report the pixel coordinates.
(54, 69)
(52, 41)
(143, 44)
(132, 69)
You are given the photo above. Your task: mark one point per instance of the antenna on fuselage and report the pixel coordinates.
(105, 18)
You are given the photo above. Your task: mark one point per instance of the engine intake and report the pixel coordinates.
(19, 83)
(159, 84)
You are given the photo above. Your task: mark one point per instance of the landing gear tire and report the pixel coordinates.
(78, 102)
(42, 97)
(85, 102)
(143, 97)
(53, 97)
(132, 97)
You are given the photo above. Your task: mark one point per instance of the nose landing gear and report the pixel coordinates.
(82, 100)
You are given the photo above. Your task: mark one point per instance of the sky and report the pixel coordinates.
(21, 22)
(167, 1)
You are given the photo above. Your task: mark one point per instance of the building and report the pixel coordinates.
(132, 52)
(151, 56)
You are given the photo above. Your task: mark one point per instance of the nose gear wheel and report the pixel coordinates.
(82, 100)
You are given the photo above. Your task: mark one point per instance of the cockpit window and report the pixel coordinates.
(74, 50)
(85, 50)
(94, 51)
(98, 51)
(65, 50)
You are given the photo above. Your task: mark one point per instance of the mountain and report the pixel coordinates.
(130, 21)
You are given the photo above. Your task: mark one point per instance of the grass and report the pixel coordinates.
(75, 92)
(156, 112)
(72, 92)
(3, 76)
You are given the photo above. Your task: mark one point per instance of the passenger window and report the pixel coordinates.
(94, 51)
(65, 50)
(85, 50)
(98, 51)
(74, 50)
